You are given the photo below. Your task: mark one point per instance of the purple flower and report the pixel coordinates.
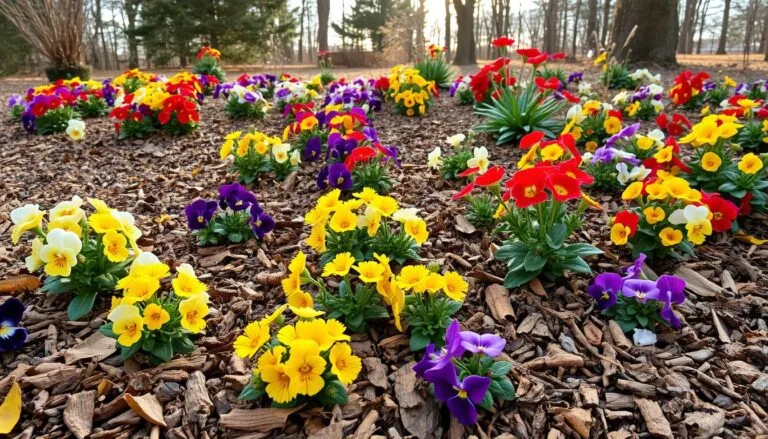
(322, 178)
(452, 349)
(489, 344)
(669, 290)
(235, 196)
(12, 337)
(199, 213)
(639, 288)
(313, 149)
(15, 100)
(459, 396)
(261, 223)
(575, 77)
(634, 270)
(339, 176)
(605, 289)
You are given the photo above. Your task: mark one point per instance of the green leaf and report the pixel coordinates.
(500, 368)
(163, 350)
(576, 264)
(504, 389)
(332, 394)
(182, 345)
(418, 341)
(127, 352)
(487, 402)
(515, 278)
(533, 261)
(557, 235)
(583, 250)
(81, 305)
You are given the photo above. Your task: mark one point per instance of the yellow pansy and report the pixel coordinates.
(126, 324)
(155, 317)
(370, 271)
(416, 229)
(620, 233)
(344, 365)
(654, 214)
(633, 191)
(750, 164)
(670, 236)
(454, 286)
(343, 220)
(193, 311)
(24, 218)
(340, 265)
(305, 368)
(186, 283)
(115, 246)
(710, 161)
(253, 338)
(59, 254)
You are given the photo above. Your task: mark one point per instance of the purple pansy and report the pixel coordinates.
(638, 288)
(261, 223)
(452, 348)
(460, 396)
(235, 196)
(669, 290)
(199, 213)
(605, 289)
(313, 149)
(339, 176)
(636, 269)
(12, 337)
(489, 344)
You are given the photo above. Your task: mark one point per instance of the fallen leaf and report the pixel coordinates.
(147, 406)
(19, 284)
(10, 410)
(96, 346)
(749, 239)
(463, 225)
(262, 420)
(78, 413)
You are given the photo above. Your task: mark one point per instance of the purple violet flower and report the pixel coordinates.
(489, 344)
(605, 289)
(669, 290)
(313, 149)
(453, 348)
(459, 396)
(199, 212)
(322, 178)
(339, 176)
(12, 337)
(639, 288)
(235, 196)
(634, 270)
(261, 223)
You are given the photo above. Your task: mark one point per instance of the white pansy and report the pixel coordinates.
(405, 214)
(434, 158)
(691, 213)
(295, 158)
(280, 152)
(76, 129)
(455, 140)
(575, 112)
(480, 160)
(620, 98)
(655, 89)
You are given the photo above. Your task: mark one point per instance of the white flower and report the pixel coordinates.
(690, 214)
(590, 53)
(434, 158)
(68, 209)
(144, 258)
(33, 261)
(295, 158)
(655, 89)
(76, 129)
(658, 106)
(455, 140)
(638, 173)
(280, 152)
(644, 337)
(658, 136)
(405, 214)
(620, 98)
(586, 157)
(623, 176)
(606, 106)
(584, 88)
(480, 160)
(60, 252)
(575, 112)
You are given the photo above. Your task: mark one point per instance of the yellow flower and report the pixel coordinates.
(68, 209)
(253, 338)
(330, 201)
(340, 265)
(670, 236)
(645, 143)
(193, 311)
(528, 157)
(276, 314)
(33, 261)
(27, 217)
(344, 365)
(60, 252)
(455, 287)
(620, 233)
(278, 381)
(315, 330)
(103, 222)
(654, 214)
(367, 195)
(384, 204)
(591, 146)
(711, 162)
(663, 155)
(308, 123)
(656, 191)
(316, 217)
(600, 58)
(138, 288)
(302, 304)
(305, 368)
(336, 330)
(370, 271)
(371, 220)
(677, 187)
(343, 220)
(271, 358)
(410, 275)
(409, 112)
(127, 324)
(298, 263)
(186, 284)
(155, 316)
(115, 246)
(226, 149)
(552, 152)
(432, 283)
(612, 125)
(729, 82)
(698, 230)
(416, 229)
(66, 223)
(750, 164)
(633, 191)
(316, 239)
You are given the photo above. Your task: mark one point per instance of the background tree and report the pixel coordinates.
(654, 26)
(323, 11)
(465, 34)
(592, 37)
(723, 41)
(366, 21)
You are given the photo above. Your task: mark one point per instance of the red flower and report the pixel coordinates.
(628, 219)
(464, 192)
(381, 83)
(745, 207)
(531, 139)
(761, 113)
(491, 177)
(503, 42)
(616, 113)
(548, 84)
(566, 141)
(570, 97)
(120, 113)
(723, 211)
(563, 187)
(540, 59)
(571, 169)
(468, 172)
(356, 135)
(556, 56)
(528, 53)
(164, 116)
(359, 154)
(527, 186)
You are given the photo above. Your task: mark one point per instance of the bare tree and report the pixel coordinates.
(606, 20)
(575, 27)
(550, 27)
(723, 42)
(448, 28)
(591, 40)
(301, 30)
(702, 21)
(465, 34)
(323, 10)
(131, 12)
(649, 28)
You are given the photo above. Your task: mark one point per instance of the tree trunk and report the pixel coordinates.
(655, 39)
(764, 37)
(323, 10)
(421, 16)
(575, 27)
(686, 30)
(702, 20)
(721, 45)
(550, 27)
(591, 41)
(100, 31)
(465, 34)
(564, 27)
(447, 29)
(301, 31)
(131, 10)
(606, 21)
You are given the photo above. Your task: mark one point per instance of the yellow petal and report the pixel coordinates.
(749, 239)
(10, 411)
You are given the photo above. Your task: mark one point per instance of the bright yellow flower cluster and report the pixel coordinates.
(256, 142)
(711, 130)
(410, 90)
(143, 77)
(152, 95)
(366, 211)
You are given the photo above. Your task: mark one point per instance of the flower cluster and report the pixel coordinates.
(358, 93)
(82, 254)
(592, 123)
(243, 102)
(208, 68)
(12, 336)
(146, 319)
(264, 84)
(615, 74)
(411, 93)
(635, 302)
(172, 106)
(461, 92)
(643, 104)
(453, 167)
(687, 91)
(132, 80)
(236, 217)
(309, 360)
(465, 375)
(292, 91)
(533, 209)
(609, 165)
(255, 153)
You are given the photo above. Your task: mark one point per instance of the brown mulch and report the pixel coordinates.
(576, 374)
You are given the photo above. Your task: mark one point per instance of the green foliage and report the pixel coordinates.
(326, 77)
(353, 308)
(227, 226)
(136, 129)
(15, 51)
(752, 137)
(93, 107)
(245, 110)
(481, 209)
(397, 245)
(630, 313)
(367, 20)
(501, 388)
(374, 175)
(464, 97)
(428, 316)
(16, 112)
(209, 65)
(517, 112)
(536, 243)
(605, 175)
(455, 164)
(616, 76)
(56, 120)
(435, 69)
